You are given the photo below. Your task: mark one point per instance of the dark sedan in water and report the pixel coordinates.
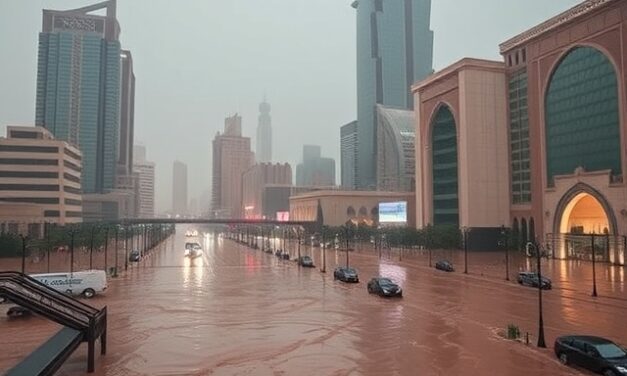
(592, 353)
(445, 266)
(346, 274)
(384, 287)
(134, 256)
(531, 279)
(306, 261)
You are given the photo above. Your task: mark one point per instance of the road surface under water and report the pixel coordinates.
(238, 311)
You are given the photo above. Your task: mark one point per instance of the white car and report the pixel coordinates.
(86, 283)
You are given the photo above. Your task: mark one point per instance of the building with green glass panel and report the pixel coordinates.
(568, 70)
(78, 87)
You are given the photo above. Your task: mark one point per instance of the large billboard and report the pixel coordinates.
(393, 212)
(283, 216)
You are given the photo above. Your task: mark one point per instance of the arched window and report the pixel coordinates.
(363, 212)
(444, 168)
(350, 212)
(582, 116)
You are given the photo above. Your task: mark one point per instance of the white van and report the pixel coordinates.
(86, 283)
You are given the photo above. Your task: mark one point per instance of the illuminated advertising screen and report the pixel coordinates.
(393, 212)
(283, 216)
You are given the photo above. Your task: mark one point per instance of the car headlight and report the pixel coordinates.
(621, 369)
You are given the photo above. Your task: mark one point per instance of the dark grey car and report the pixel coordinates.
(595, 354)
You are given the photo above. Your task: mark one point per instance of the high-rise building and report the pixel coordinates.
(78, 87)
(38, 170)
(315, 170)
(394, 50)
(179, 189)
(264, 134)
(348, 154)
(231, 158)
(254, 181)
(145, 171)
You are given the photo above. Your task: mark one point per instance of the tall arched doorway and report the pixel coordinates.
(585, 220)
(584, 214)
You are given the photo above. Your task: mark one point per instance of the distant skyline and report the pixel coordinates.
(197, 62)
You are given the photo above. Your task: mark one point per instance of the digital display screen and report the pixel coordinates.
(393, 212)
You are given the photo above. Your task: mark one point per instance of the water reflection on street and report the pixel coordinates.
(238, 311)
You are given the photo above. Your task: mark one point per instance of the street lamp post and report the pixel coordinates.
(465, 232)
(47, 229)
(503, 239)
(299, 236)
(324, 253)
(541, 342)
(72, 233)
(126, 248)
(91, 248)
(106, 245)
(117, 250)
(594, 269)
(347, 244)
(24, 238)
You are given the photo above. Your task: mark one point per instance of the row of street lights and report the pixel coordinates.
(150, 235)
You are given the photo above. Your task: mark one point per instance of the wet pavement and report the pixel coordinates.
(238, 311)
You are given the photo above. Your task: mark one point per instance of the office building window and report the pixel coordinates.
(519, 138)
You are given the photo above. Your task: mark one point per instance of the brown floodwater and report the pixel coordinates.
(237, 311)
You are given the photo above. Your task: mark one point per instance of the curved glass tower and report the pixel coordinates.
(394, 50)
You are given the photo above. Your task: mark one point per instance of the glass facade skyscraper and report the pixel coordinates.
(394, 50)
(78, 87)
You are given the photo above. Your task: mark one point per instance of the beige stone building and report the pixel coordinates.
(232, 156)
(255, 180)
(462, 149)
(339, 207)
(42, 173)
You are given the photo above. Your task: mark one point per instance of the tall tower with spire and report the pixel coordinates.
(264, 133)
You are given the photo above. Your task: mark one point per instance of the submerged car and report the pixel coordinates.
(306, 261)
(531, 279)
(17, 311)
(134, 256)
(346, 274)
(445, 266)
(595, 354)
(384, 287)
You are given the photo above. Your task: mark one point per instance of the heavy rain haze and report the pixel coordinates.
(197, 61)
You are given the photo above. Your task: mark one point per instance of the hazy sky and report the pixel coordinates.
(197, 61)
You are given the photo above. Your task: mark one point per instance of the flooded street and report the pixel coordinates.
(238, 311)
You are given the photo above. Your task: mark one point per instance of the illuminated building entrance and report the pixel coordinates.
(584, 220)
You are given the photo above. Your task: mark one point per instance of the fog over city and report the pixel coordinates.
(198, 61)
